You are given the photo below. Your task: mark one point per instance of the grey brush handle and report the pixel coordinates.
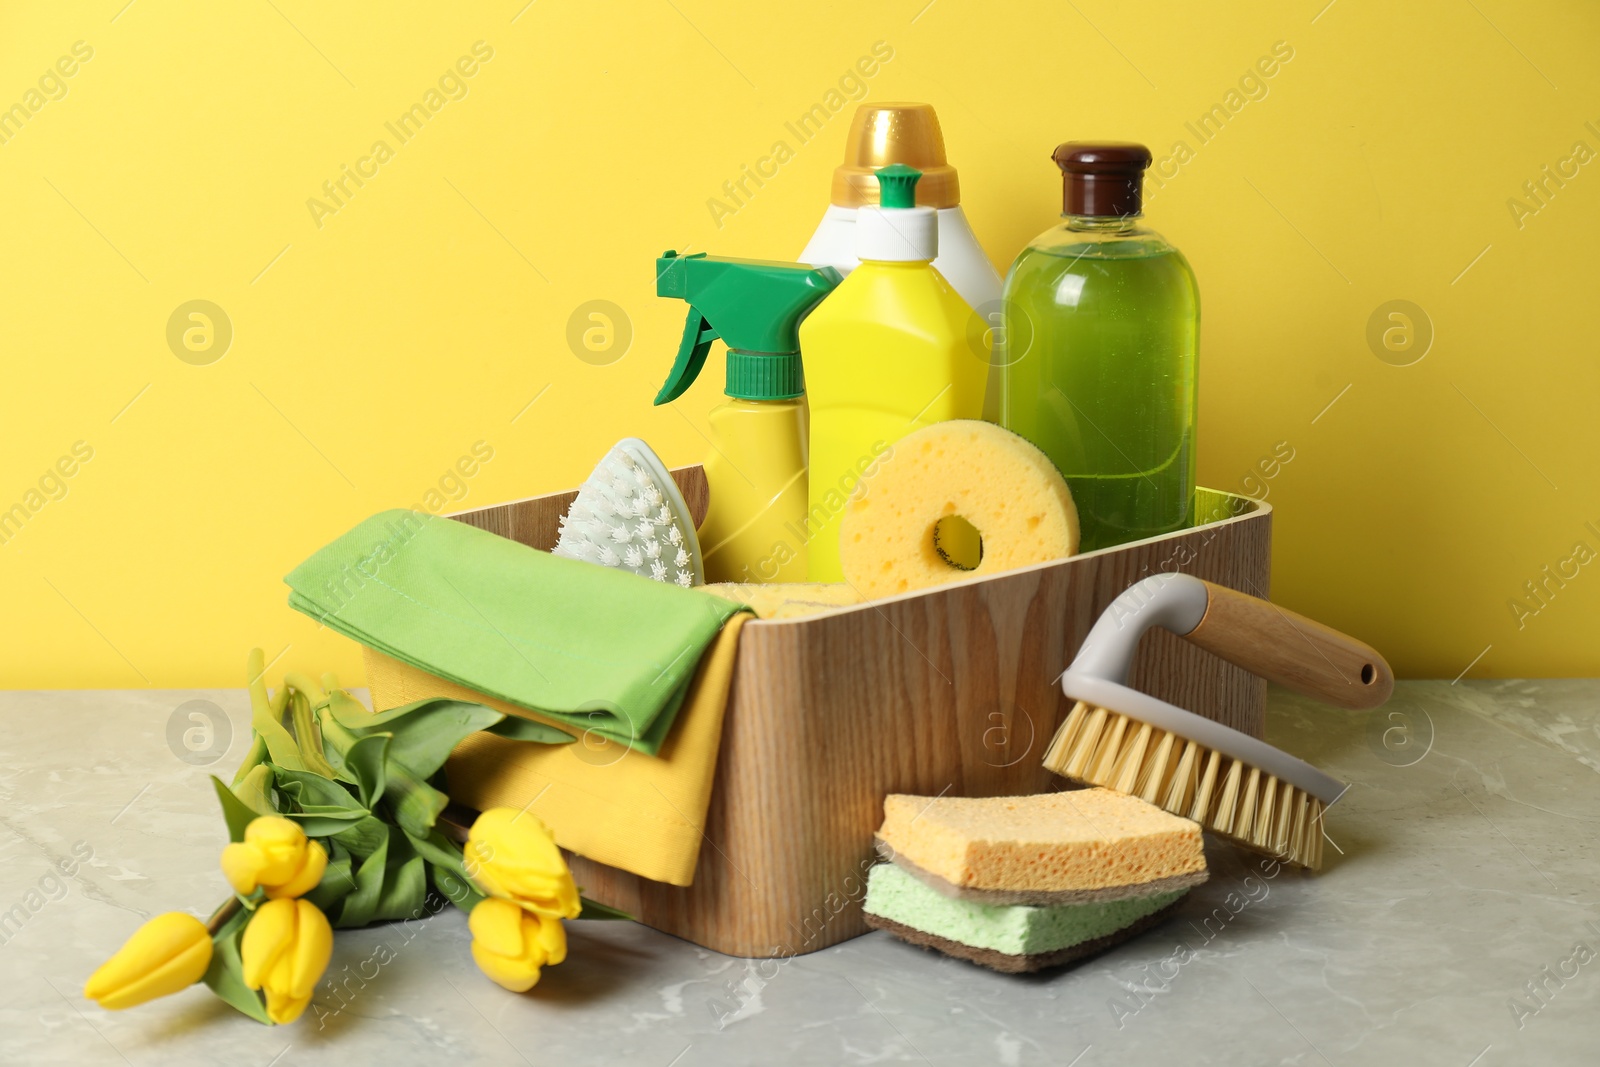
(1273, 642)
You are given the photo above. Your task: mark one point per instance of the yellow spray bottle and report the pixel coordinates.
(756, 471)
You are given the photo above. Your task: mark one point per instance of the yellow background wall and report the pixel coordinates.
(372, 350)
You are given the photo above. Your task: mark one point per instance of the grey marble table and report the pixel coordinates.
(1457, 922)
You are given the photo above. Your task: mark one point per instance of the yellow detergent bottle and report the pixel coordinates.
(887, 353)
(756, 470)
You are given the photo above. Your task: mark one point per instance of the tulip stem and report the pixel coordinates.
(219, 918)
(306, 735)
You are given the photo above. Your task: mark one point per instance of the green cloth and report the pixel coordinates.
(600, 649)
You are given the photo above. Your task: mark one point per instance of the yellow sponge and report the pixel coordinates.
(786, 600)
(1076, 846)
(897, 533)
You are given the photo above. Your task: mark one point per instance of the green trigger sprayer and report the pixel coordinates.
(755, 526)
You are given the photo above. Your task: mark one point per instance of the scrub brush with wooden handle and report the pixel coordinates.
(1231, 783)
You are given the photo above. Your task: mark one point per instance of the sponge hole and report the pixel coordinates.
(958, 543)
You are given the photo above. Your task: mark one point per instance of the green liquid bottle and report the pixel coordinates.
(1095, 360)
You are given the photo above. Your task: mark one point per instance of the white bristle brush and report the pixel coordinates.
(1231, 783)
(631, 516)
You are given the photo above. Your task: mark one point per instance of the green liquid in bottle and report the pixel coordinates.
(1096, 366)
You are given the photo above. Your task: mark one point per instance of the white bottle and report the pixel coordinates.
(882, 134)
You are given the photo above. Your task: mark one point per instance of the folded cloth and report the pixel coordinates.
(786, 600)
(598, 650)
(641, 814)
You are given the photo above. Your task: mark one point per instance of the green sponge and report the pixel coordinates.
(1012, 938)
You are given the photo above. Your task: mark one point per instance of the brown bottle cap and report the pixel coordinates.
(882, 134)
(1102, 177)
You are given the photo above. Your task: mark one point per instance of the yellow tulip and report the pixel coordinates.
(276, 855)
(511, 855)
(166, 954)
(285, 949)
(511, 944)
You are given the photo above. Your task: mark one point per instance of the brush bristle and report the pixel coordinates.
(1097, 746)
(620, 518)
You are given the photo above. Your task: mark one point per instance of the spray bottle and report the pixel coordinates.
(756, 471)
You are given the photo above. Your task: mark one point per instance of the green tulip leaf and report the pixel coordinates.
(255, 792)
(455, 887)
(310, 689)
(440, 850)
(448, 864)
(266, 715)
(516, 728)
(415, 803)
(351, 714)
(361, 903)
(336, 741)
(593, 909)
(405, 882)
(254, 756)
(391, 883)
(225, 975)
(316, 825)
(365, 762)
(279, 741)
(234, 811)
(321, 807)
(363, 836)
(430, 730)
(312, 791)
(337, 883)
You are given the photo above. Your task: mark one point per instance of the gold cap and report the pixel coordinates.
(882, 134)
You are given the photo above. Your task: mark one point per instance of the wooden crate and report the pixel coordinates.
(948, 691)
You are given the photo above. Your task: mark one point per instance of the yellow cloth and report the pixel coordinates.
(786, 600)
(602, 800)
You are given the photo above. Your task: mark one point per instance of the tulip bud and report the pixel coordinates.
(511, 944)
(166, 954)
(285, 949)
(277, 856)
(511, 855)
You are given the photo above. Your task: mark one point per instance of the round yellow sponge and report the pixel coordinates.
(897, 534)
